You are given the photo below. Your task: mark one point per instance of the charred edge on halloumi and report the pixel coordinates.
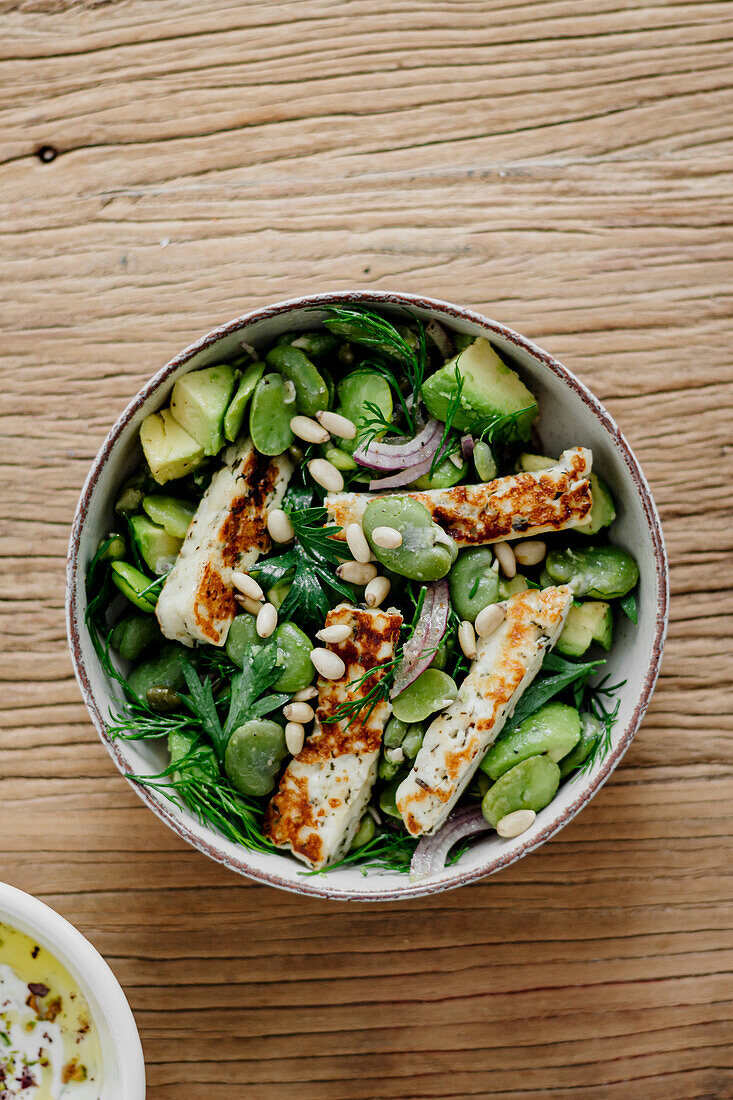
(228, 531)
(517, 506)
(456, 741)
(324, 791)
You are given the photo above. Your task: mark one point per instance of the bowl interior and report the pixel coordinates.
(122, 1060)
(569, 416)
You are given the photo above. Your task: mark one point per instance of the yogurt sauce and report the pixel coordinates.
(49, 1046)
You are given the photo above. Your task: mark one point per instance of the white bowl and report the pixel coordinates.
(570, 415)
(123, 1068)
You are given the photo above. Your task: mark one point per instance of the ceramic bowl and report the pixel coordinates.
(570, 415)
(123, 1068)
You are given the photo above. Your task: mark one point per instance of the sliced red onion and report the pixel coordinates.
(404, 477)
(398, 456)
(467, 445)
(420, 649)
(431, 853)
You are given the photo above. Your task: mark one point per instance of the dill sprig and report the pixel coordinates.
(606, 716)
(500, 428)
(377, 693)
(446, 446)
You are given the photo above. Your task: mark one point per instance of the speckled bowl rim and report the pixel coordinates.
(317, 886)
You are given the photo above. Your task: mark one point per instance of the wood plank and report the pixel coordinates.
(565, 166)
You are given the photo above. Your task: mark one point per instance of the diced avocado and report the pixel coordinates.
(169, 450)
(527, 463)
(157, 548)
(603, 511)
(507, 588)
(234, 416)
(173, 515)
(592, 621)
(490, 389)
(199, 401)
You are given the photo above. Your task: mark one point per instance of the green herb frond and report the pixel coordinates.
(447, 445)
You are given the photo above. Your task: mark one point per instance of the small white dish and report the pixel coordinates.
(569, 415)
(123, 1067)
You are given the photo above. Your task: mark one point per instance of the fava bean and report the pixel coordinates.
(165, 670)
(316, 345)
(270, 414)
(430, 692)
(601, 572)
(293, 656)
(553, 730)
(473, 583)
(367, 831)
(413, 741)
(254, 755)
(132, 584)
(426, 552)
(356, 391)
(311, 390)
(241, 637)
(133, 635)
(445, 474)
(529, 785)
(173, 515)
(234, 416)
(518, 583)
(394, 733)
(591, 732)
(484, 461)
(386, 768)
(205, 765)
(387, 796)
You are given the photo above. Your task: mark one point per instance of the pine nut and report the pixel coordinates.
(374, 814)
(443, 537)
(457, 459)
(311, 692)
(357, 572)
(357, 543)
(395, 756)
(376, 591)
(253, 607)
(506, 559)
(247, 585)
(332, 635)
(294, 737)
(389, 538)
(328, 664)
(467, 639)
(309, 430)
(266, 620)
(337, 424)
(299, 712)
(325, 474)
(531, 552)
(489, 619)
(279, 526)
(515, 823)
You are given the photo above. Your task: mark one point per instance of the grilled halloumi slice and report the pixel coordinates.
(456, 741)
(228, 531)
(516, 506)
(325, 789)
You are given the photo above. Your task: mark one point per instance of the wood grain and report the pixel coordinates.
(566, 167)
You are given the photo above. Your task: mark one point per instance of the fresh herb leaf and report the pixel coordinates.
(498, 429)
(541, 691)
(446, 445)
(203, 706)
(629, 608)
(607, 717)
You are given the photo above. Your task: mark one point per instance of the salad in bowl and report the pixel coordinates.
(355, 602)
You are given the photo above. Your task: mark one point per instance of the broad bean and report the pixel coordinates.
(387, 796)
(529, 785)
(445, 474)
(173, 515)
(133, 635)
(293, 656)
(165, 669)
(270, 413)
(430, 692)
(315, 344)
(591, 732)
(132, 584)
(473, 583)
(311, 390)
(254, 755)
(205, 766)
(234, 416)
(553, 730)
(241, 637)
(366, 832)
(601, 572)
(356, 391)
(518, 583)
(484, 461)
(426, 552)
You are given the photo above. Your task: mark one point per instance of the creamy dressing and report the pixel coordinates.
(49, 1046)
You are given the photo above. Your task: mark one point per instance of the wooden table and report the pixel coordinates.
(564, 166)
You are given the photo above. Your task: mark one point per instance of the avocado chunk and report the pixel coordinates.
(603, 511)
(490, 389)
(591, 622)
(169, 450)
(173, 515)
(157, 548)
(199, 401)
